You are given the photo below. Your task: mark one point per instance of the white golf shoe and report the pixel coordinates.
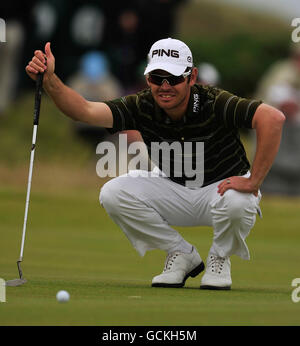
(217, 275)
(178, 267)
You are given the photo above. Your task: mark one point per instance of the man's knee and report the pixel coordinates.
(237, 205)
(110, 195)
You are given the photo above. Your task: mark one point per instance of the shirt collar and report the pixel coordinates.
(192, 109)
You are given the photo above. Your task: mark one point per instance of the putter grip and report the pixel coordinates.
(38, 95)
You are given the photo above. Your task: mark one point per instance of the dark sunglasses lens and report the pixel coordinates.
(155, 79)
(172, 80)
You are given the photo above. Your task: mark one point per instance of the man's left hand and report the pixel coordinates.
(240, 184)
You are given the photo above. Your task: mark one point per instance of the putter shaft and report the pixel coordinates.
(37, 106)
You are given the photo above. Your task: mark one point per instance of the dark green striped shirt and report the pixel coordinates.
(213, 117)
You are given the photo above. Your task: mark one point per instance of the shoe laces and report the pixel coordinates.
(216, 263)
(170, 260)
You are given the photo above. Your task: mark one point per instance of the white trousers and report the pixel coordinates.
(145, 207)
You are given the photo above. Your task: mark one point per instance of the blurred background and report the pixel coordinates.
(101, 50)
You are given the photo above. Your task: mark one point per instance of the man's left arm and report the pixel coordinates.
(267, 122)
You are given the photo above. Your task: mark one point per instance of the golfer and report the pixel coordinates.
(175, 109)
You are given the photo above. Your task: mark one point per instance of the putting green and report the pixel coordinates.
(72, 244)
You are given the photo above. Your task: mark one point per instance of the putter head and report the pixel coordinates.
(15, 282)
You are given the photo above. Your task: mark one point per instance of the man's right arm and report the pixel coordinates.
(66, 99)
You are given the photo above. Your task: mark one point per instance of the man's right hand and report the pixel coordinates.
(41, 63)
(66, 99)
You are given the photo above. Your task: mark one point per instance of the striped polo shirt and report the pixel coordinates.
(213, 118)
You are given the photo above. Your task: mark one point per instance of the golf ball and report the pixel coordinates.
(62, 296)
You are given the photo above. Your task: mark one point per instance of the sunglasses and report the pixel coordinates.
(170, 79)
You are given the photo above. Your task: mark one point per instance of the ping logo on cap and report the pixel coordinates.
(170, 55)
(170, 52)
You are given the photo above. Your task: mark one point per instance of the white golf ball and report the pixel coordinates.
(62, 296)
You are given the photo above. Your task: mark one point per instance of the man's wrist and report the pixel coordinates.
(50, 83)
(255, 182)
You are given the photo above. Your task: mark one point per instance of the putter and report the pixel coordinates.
(37, 106)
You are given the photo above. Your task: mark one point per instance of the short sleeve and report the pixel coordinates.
(234, 111)
(124, 112)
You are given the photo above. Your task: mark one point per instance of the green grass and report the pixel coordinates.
(56, 138)
(72, 244)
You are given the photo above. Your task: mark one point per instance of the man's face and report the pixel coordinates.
(171, 98)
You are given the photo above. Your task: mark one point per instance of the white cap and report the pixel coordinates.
(169, 55)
